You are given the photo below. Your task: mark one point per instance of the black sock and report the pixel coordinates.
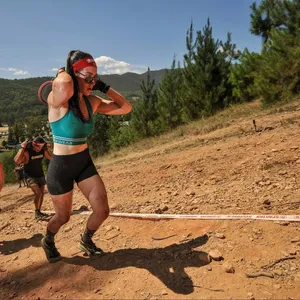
(49, 237)
(87, 235)
(37, 210)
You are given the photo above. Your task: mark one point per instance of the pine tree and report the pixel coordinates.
(278, 75)
(19, 131)
(191, 107)
(144, 111)
(242, 76)
(11, 138)
(268, 15)
(292, 18)
(35, 125)
(169, 98)
(206, 73)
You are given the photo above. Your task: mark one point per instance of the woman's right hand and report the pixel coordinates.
(24, 144)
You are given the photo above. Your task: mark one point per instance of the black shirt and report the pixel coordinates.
(34, 167)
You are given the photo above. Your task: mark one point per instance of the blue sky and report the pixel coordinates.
(122, 35)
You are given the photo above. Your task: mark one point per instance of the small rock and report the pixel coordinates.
(220, 235)
(67, 229)
(277, 286)
(215, 255)
(228, 268)
(163, 207)
(145, 295)
(83, 208)
(108, 227)
(113, 206)
(204, 258)
(190, 193)
(278, 272)
(282, 172)
(282, 223)
(209, 268)
(295, 240)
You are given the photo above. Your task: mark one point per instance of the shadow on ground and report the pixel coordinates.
(10, 247)
(167, 264)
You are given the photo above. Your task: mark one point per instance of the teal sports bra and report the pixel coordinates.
(70, 131)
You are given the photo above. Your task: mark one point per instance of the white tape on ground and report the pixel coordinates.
(290, 218)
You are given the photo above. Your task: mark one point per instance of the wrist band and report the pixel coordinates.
(105, 89)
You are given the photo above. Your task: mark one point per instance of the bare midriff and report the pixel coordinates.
(60, 149)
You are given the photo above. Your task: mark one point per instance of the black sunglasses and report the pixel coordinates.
(89, 78)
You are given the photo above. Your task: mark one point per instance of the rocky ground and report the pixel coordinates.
(232, 170)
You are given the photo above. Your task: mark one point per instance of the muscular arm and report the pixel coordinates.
(118, 106)
(21, 157)
(48, 155)
(62, 90)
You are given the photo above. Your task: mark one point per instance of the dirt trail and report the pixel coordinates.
(234, 170)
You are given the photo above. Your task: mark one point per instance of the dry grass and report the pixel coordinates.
(3, 129)
(205, 125)
(220, 120)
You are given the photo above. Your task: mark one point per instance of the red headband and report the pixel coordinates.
(83, 63)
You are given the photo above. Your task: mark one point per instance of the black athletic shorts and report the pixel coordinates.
(63, 170)
(32, 181)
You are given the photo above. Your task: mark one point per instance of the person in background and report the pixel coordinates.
(19, 172)
(32, 155)
(71, 106)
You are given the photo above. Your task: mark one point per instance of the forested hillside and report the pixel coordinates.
(18, 98)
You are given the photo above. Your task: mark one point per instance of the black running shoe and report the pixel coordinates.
(51, 252)
(90, 248)
(43, 214)
(37, 215)
(40, 215)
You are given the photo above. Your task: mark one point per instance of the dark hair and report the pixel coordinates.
(73, 57)
(39, 140)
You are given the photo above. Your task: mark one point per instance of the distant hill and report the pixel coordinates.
(18, 97)
(131, 81)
